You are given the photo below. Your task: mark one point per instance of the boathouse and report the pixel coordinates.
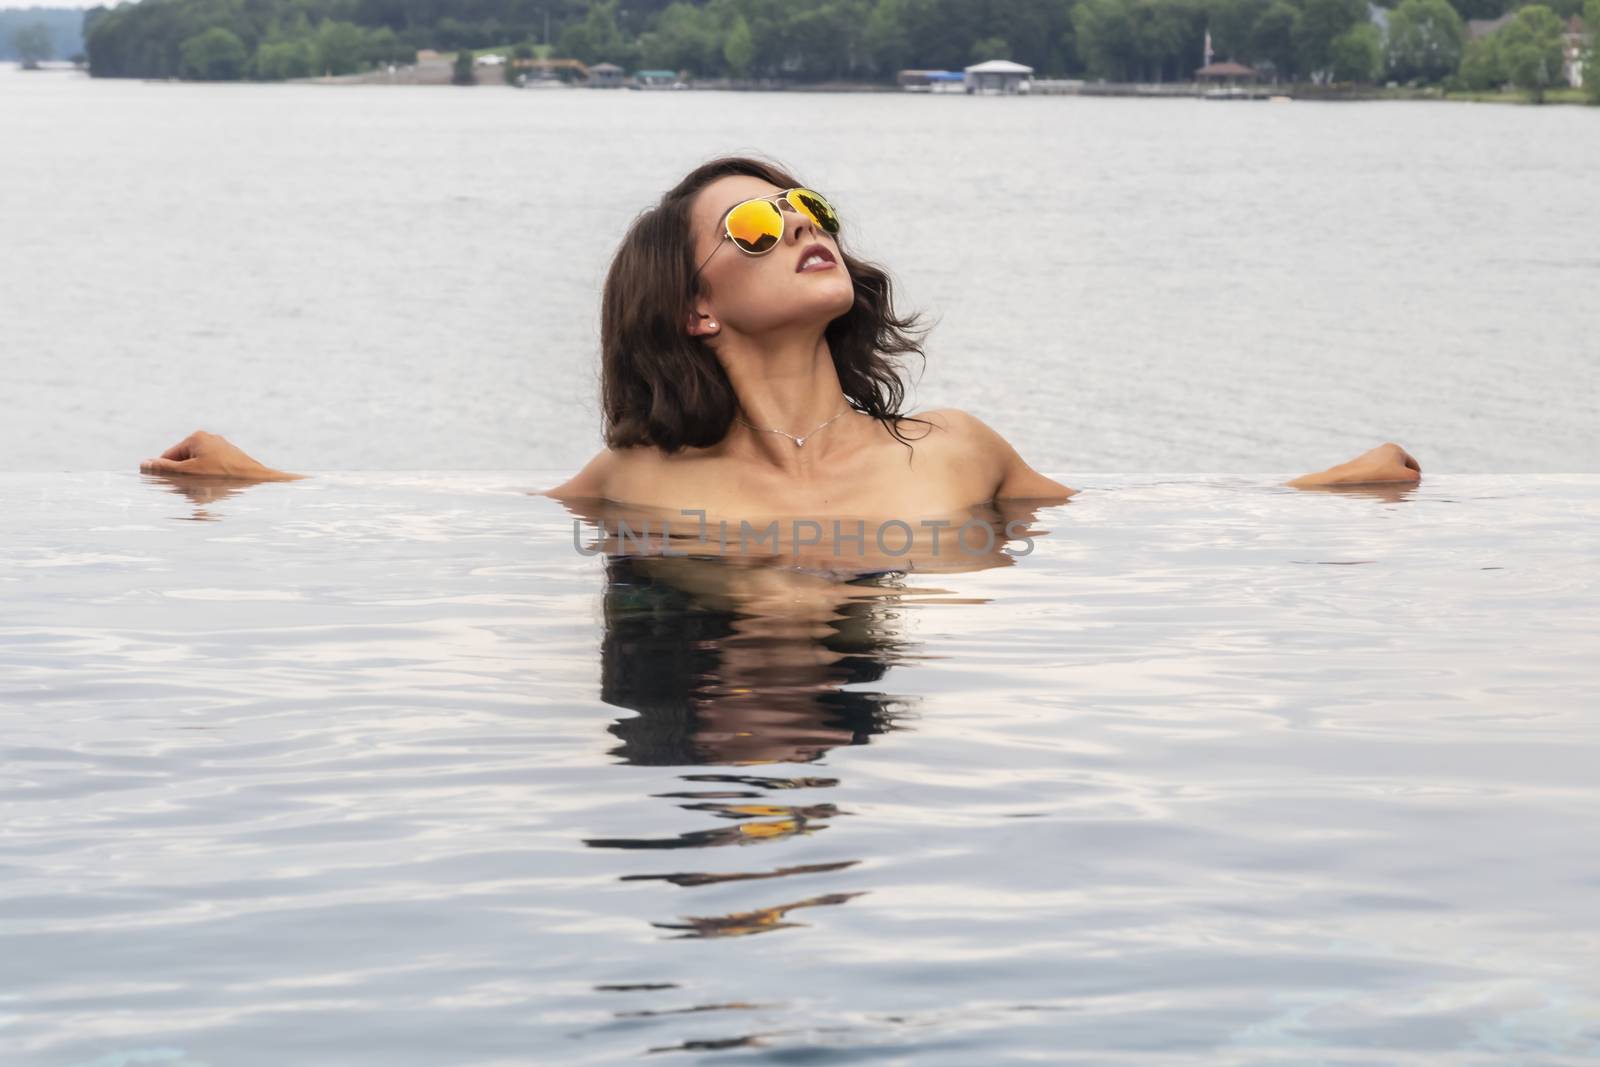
(998, 76)
(606, 76)
(656, 79)
(1226, 74)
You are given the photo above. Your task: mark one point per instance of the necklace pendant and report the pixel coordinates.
(799, 441)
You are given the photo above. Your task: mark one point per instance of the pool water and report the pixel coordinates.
(381, 769)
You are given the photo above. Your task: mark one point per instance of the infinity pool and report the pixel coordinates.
(380, 769)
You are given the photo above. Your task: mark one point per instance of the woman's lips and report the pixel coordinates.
(815, 257)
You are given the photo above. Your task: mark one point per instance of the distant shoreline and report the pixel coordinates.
(1169, 91)
(437, 72)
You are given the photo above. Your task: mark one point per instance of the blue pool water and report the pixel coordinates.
(378, 769)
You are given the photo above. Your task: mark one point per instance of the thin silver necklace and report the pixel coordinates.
(799, 442)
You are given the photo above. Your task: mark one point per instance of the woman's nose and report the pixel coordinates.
(799, 225)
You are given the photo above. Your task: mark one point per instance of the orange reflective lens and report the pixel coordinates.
(756, 226)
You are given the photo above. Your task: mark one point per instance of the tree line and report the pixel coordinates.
(849, 40)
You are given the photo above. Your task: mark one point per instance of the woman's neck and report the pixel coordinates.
(787, 384)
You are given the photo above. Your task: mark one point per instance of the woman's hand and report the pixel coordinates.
(1386, 463)
(215, 456)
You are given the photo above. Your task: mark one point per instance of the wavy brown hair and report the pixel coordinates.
(662, 387)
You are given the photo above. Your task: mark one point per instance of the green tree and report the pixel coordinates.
(215, 55)
(32, 43)
(451, 32)
(1272, 38)
(825, 42)
(1172, 38)
(888, 43)
(1591, 59)
(1426, 38)
(940, 33)
(598, 38)
(1480, 65)
(1531, 49)
(463, 72)
(1108, 38)
(1037, 32)
(990, 48)
(1481, 9)
(739, 50)
(685, 37)
(1230, 23)
(341, 47)
(1321, 22)
(383, 45)
(1356, 55)
(277, 60)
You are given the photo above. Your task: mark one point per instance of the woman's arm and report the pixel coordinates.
(1386, 463)
(1013, 478)
(214, 456)
(1022, 482)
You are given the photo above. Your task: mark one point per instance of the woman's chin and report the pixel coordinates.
(821, 305)
(832, 292)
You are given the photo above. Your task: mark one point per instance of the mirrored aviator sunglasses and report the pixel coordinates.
(756, 226)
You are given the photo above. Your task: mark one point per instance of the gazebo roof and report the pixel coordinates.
(999, 66)
(1225, 70)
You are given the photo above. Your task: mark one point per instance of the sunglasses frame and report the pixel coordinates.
(784, 194)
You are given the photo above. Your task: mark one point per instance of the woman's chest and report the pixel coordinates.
(888, 483)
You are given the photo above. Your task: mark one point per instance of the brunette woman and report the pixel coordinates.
(752, 367)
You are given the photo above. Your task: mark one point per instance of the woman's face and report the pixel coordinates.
(756, 295)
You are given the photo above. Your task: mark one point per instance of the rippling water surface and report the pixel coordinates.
(379, 769)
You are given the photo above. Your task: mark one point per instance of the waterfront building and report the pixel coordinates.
(932, 81)
(998, 76)
(1226, 74)
(1573, 44)
(606, 76)
(657, 79)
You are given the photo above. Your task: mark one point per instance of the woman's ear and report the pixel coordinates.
(701, 325)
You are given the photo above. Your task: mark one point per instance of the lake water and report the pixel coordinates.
(408, 278)
(377, 768)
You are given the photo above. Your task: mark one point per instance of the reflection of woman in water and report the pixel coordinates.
(750, 368)
(714, 682)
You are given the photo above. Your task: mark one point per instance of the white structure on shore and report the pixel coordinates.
(998, 76)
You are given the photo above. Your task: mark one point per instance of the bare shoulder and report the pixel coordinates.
(946, 420)
(957, 446)
(984, 446)
(945, 425)
(608, 475)
(955, 426)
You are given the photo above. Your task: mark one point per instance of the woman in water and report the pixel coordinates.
(750, 368)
